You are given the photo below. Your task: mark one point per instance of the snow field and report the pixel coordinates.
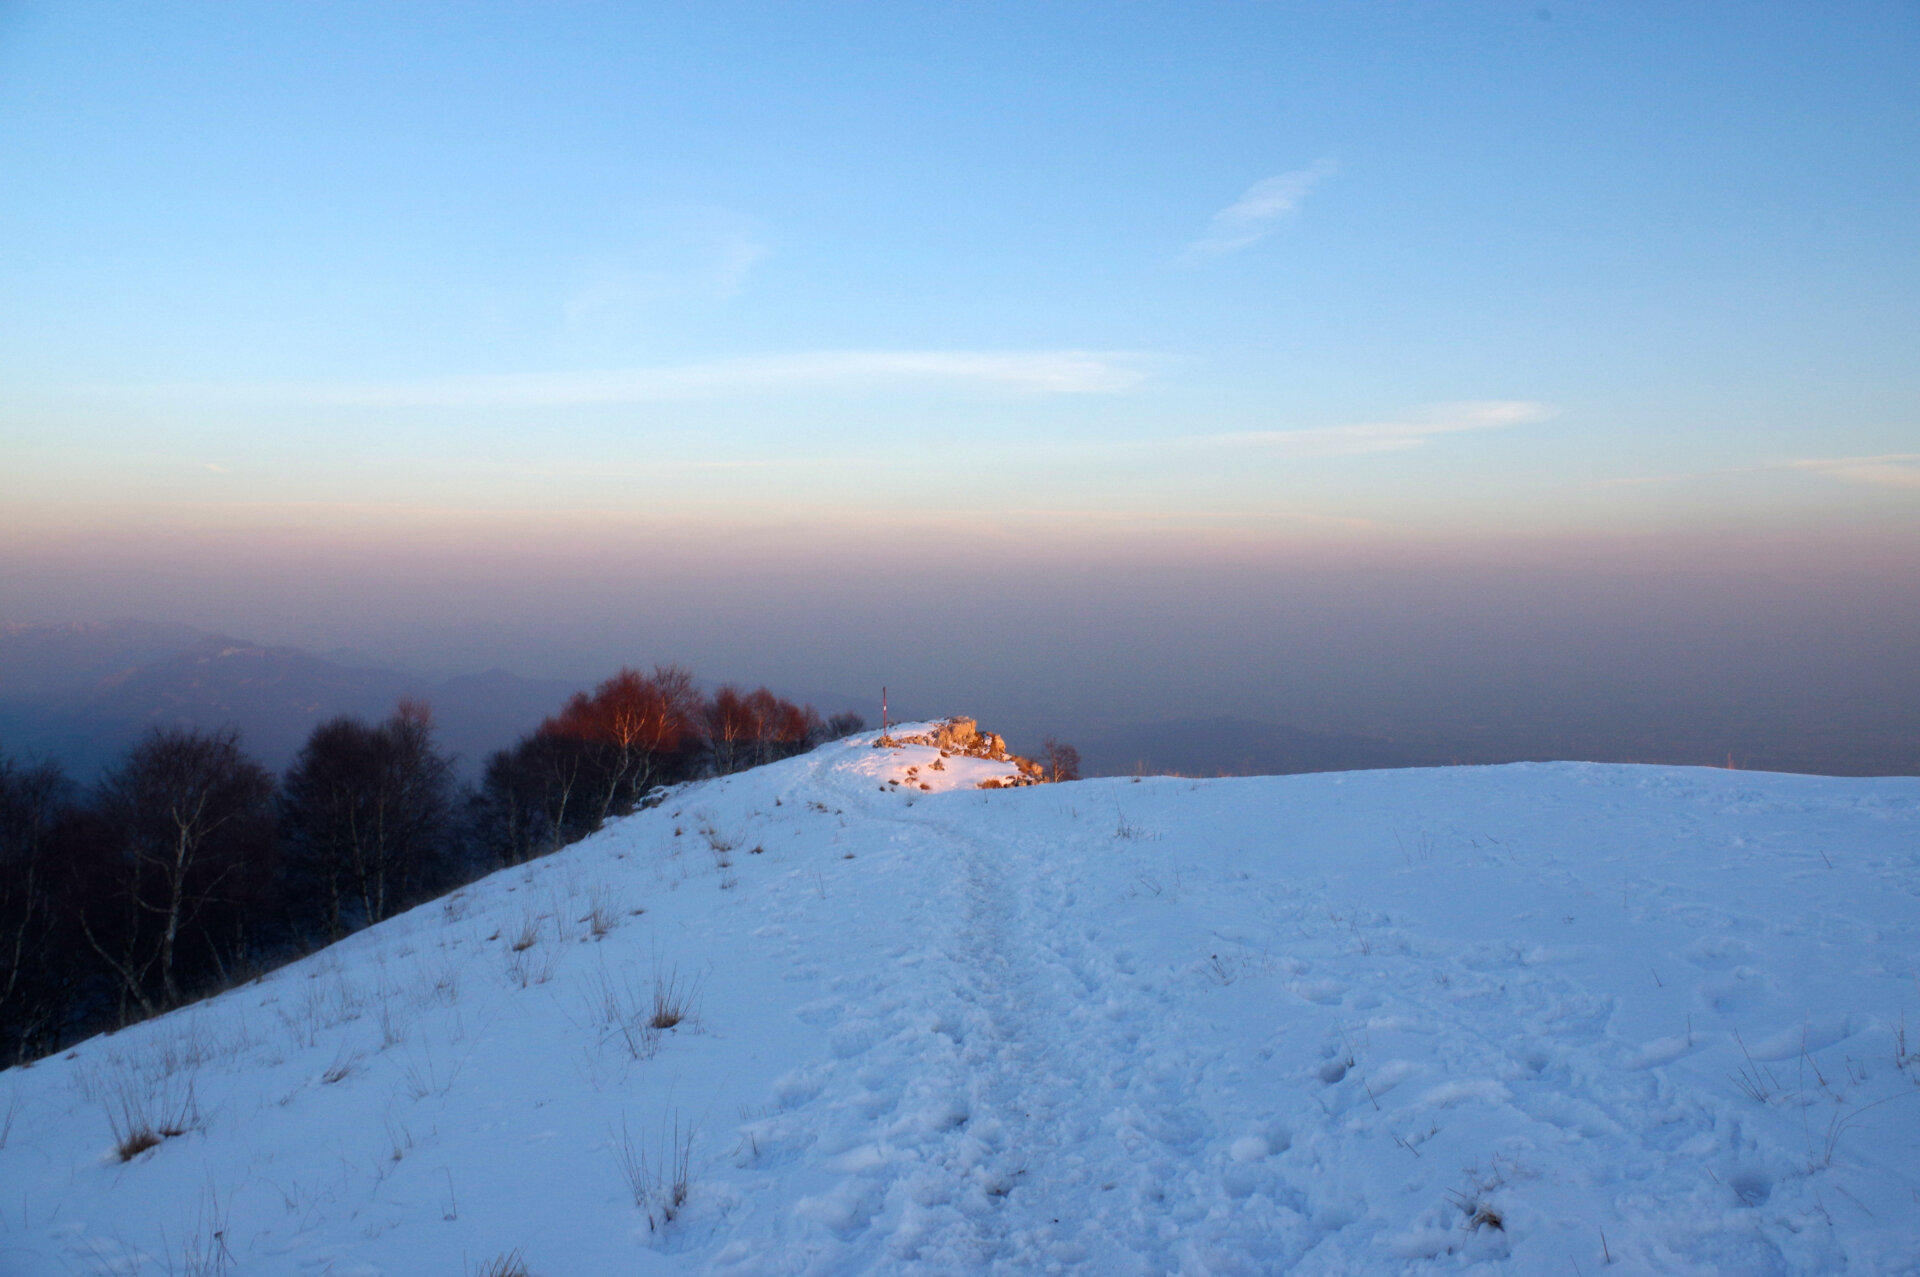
(1543, 1018)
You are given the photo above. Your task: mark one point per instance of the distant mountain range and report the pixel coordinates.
(82, 693)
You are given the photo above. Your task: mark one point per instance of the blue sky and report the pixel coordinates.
(1167, 281)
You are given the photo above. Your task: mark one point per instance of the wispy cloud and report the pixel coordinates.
(1174, 517)
(1890, 470)
(1253, 216)
(1163, 450)
(1389, 436)
(1067, 372)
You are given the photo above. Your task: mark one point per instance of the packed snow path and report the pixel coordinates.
(1557, 1019)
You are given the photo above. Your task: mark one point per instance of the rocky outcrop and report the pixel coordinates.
(963, 736)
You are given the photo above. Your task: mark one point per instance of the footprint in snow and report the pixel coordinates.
(1717, 953)
(854, 1038)
(821, 1013)
(1741, 991)
(1816, 1033)
(1661, 1051)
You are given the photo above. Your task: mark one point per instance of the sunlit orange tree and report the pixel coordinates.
(746, 729)
(607, 749)
(633, 732)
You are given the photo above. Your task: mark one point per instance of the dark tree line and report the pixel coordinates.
(367, 813)
(119, 903)
(188, 868)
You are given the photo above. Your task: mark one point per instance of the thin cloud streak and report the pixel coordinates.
(1049, 372)
(1253, 216)
(1888, 470)
(1891, 470)
(1389, 436)
(1318, 441)
(1189, 518)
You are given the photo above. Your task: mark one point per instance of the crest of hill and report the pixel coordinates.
(1519, 1019)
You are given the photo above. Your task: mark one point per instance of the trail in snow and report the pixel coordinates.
(1527, 1019)
(1003, 1120)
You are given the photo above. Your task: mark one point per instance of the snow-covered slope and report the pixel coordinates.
(1530, 1019)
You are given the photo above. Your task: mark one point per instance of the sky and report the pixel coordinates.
(1030, 354)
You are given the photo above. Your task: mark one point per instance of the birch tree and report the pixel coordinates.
(191, 822)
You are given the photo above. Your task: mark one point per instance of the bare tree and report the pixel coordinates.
(632, 727)
(190, 817)
(729, 725)
(34, 972)
(788, 729)
(367, 812)
(845, 723)
(1060, 761)
(746, 729)
(526, 806)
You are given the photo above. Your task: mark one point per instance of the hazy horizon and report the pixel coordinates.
(1601, 644)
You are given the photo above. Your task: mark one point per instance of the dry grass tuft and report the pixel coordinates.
(529, 933)
(511, 1264)
(602, 913)
(615, 1010)
(205, 1253)
(660, 1182)
(1480, 1212)
(140, 1119)
(343, 1064)
(673, 1002)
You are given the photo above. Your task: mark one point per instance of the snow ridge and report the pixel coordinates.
(1542, 1018)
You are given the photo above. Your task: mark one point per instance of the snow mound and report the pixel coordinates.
(850, 1014)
